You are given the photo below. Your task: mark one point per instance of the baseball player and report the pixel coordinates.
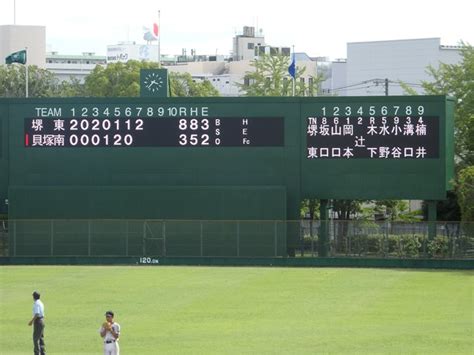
(110, 332)
(38, 325)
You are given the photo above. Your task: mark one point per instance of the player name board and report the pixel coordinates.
(374, 137)
(154, 132)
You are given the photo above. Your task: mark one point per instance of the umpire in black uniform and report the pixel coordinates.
(38, 325)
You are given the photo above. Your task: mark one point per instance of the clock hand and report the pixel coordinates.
(151, 83)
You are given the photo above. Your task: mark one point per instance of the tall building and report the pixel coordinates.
(14, 38)
(370, 63)
(77, 66)
(246, 45)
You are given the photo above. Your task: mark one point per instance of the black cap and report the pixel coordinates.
(109, 313)
(36, 295)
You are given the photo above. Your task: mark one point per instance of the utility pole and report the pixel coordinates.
(386, 86)
(26, 71)
(159, 39)
(294, 76)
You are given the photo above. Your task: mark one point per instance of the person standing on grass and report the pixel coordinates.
(38, 325)
(110, 332)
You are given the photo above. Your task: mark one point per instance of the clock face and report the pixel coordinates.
(153, 82)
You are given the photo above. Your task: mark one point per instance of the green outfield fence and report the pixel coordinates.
(387, 239)
(241, 239)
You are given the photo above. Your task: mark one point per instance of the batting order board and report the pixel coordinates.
(206, 158)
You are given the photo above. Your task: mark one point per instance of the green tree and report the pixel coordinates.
(270, 77)
(465, 190)
(446, 210)
(182, 84)
(123, 80)
(115, 79)
(71, 88)
(392, 208)
(345, 209)
(457, 80)
(41, 82)
(309, 208)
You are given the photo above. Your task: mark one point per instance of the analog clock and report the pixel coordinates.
(153, 82)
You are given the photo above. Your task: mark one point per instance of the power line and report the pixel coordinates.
(357, 84)
(375, 82)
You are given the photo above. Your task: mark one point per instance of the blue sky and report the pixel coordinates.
(319, 28)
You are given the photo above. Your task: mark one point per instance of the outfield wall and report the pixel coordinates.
(264, 262)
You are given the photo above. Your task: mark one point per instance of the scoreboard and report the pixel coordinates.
(368, 137)
(323, 147)
(227, 159)
(153, 132)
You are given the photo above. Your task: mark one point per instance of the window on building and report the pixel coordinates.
(250, 45)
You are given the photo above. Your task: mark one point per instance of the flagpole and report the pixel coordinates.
(26, 71)
(294, 77)
(159, 39)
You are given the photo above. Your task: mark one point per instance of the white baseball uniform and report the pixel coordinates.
(111, 345)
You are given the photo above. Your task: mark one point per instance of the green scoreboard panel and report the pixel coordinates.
(219, 158)
(3, 155)
(142, 142)
(377, 148)
(340, 148)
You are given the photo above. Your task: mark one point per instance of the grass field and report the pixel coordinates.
(226, 310)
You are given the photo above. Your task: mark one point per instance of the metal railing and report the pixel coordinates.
(146, 237)
(237, 238)
(390, 239)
